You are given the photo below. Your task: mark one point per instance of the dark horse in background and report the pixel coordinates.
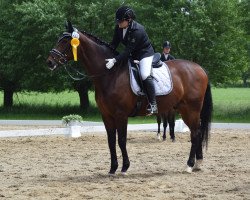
(166, 119)
(191, 94)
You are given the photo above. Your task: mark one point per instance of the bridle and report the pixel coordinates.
(61, 56)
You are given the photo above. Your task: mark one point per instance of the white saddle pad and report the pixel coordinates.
(162, 80)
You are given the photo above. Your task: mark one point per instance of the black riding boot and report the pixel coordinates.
(150, 91)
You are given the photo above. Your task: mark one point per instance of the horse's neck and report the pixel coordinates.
(93, 56)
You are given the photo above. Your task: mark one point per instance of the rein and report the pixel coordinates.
(77, 72)
(83, 76)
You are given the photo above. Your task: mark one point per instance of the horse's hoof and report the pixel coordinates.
(111, 174)
(189, 169)
(124, 170)
(158, 137)
(164, 139)
(123, 173)
(125, 167)
(173, 140)
(197, 165)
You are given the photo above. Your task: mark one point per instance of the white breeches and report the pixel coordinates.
(145, 66)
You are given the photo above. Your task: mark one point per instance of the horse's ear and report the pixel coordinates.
(69, 27)
(66, 25)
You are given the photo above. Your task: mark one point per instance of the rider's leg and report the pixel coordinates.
(145, 71)
(149, 87)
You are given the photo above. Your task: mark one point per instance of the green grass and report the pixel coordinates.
(48, 106)
(230, 105)
(34, 105)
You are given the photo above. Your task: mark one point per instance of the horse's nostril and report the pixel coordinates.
(49, 63)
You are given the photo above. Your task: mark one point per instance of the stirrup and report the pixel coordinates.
(152, 109)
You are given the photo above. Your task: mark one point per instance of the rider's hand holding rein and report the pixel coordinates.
(110, 62)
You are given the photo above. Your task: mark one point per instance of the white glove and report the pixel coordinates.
(110, 62)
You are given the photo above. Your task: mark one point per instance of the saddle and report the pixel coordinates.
(160, 73)
(134, 65)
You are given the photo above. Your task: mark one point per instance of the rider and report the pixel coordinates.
(166, 52)
(137, 46)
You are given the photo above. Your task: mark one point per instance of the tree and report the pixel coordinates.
(206, 32)
(212, 33)
(11, 69)
(25, 38)
(24, 54)
(244, 20)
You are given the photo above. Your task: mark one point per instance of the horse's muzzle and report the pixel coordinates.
(51, 64)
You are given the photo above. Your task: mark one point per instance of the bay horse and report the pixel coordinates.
(191, 94)
(167, 119)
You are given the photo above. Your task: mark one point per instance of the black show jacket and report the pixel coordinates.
(136, 42)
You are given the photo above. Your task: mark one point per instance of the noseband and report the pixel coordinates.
(61, 56)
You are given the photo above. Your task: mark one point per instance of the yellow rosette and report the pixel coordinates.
(75, 43)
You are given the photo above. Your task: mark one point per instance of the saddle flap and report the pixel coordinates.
(135, 76)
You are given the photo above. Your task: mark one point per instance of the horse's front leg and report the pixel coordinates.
(111, 133)
(112, 147)
(122, 141)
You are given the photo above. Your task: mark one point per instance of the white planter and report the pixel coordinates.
(180, 126)
(73, 131)
(74, 123)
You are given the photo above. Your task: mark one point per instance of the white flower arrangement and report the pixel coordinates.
(71, 119)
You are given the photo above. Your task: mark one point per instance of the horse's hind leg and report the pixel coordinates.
(165, 125)
(194, 147)
(158, 118)
(199, 153)
(192, 121)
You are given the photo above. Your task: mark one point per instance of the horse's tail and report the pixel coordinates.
(206, 116)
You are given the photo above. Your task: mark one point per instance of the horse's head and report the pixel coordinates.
(62, 52)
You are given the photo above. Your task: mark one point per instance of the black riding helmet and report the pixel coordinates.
(166, 44)
(124, 13)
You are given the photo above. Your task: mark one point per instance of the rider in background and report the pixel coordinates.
(166, 52)
(137, 46)
(167, 118)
